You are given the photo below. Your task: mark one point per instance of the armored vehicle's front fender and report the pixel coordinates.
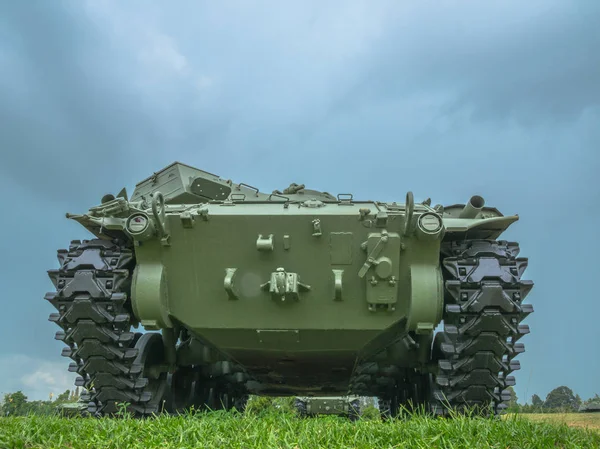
(483, 228)
(474, 221)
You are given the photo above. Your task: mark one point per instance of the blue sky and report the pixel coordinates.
(447, 99)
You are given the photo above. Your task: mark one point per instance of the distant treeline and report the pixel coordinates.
(17, 404)
(559, 400)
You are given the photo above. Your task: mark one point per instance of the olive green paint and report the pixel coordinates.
(299, 275)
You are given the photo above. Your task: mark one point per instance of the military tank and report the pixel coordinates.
(197, 291)
(592, 407)
(73, 409)
(348, 406)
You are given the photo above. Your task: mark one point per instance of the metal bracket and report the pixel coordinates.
(313, 203)
(372, 257)
(316, 228)
(203, 212)
(285, 286)
(364, 213)
(381, 219)
(424, 328)
(264, 244)
(158, 211)
(228, 282)
(337, 284)
(187, 219)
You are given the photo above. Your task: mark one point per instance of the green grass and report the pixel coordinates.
(280, 430)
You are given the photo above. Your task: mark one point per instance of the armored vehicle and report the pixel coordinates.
(73, 409)
(348, 406)
(197, 291)
(592, 407)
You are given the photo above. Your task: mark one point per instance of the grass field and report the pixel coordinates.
(580, 420)
(279, 430)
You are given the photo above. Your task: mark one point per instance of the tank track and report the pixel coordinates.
(94, 313)
(194, 387)
(410, 391)
(300, 407)
(354, 412)
(483, 308)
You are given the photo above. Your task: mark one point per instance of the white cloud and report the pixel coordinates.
(36, 378)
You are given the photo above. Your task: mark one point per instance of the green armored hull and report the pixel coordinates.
(72, 409)
(594, 407)
(296, 292)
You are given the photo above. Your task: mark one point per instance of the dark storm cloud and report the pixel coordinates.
(88, 85)
(71, 114)
(66, 118)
